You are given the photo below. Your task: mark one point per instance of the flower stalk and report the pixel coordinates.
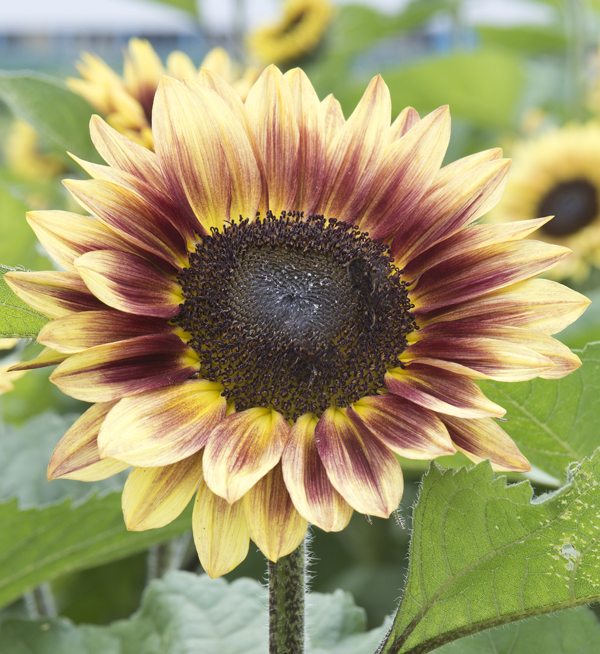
(287, 591)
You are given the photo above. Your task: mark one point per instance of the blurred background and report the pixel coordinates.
(523, 75)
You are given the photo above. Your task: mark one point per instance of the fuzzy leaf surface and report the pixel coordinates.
(554, 422)
(189, 613)
(60, 117)
(50, 528)
(565, 632)
(484, 554)
(17, 319)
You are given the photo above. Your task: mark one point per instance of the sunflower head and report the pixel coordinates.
(275, 303)
(296, 35)
(557, 174)
(127, 100)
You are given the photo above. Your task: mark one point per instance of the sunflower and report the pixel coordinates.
(298, 33)
(23, 154)
(558, 174)
(127, 101)
(276, 302)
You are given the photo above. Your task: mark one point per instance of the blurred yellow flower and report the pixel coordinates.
(127, 101)
(558, 174)
(297, 34)
(23, 154)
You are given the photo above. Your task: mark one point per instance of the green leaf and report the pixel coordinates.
(566, 632)
(484, 554)
(60, 117)
(188, 613)
(533, 39)
(191, 6)
(17, 319)
(553, 422)
(83, 527)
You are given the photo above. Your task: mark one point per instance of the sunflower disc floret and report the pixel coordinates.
(277, 301)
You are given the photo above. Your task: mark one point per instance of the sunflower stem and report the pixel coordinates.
(576, 17)
(287, 590)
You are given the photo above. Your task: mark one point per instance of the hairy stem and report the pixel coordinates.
(287, 590)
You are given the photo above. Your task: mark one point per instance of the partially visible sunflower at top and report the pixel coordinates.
(558, 174)
(276, 302)
(298, 33)
(126, 101)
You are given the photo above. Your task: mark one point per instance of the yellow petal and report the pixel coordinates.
(220, 532)
(154, 497)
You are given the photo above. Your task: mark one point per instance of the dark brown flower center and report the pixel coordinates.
(294, 314)
(573, 204)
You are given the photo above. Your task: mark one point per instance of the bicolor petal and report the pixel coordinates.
(109, 372)
(405, 120)
(77, 457)
(154, 497)
(441, 391)
(220, 532)
(333, 118)
(361, 468)
(80, 331)
(273, 522)
(54, 294)
(47, 357)
(408, 429)
(129, 283)
(163, 425)
(243, 448)
(271, 113)
(484, 439)
(307, 482)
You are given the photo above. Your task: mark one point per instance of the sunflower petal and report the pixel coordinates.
(132, 216)
(109, 372)
(406, 119)
(307, 482)
(537, 304)
(361, 468)
(122, 153)
(54, 294)
(407, 169)
(484, 439)
(460, 193)
(129, 283)
(77, 457)
(190, 155)
(354, 156)
(163, 425)
(273, 522)
(474, 273)
(406, 428)
(469, 239)
(272, 118)
(66, 236)
(80, 331)
(154, 497)
(243, 448)
(47, 357)
(220, 532)
(312, 147)
(333, 118)
(441, 391)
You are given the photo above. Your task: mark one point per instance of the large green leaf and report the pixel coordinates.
(554, 422)
(187, 613)
(17, 319)
(81, 528)
(60, 117)
(484, 554)
(566, 632)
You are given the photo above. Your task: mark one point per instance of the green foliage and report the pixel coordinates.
(553, 422)
(483, 554)
(566, 632)
(60, 117)
(185, 613)
(17, 319)
(77, 530)
(191, 6)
